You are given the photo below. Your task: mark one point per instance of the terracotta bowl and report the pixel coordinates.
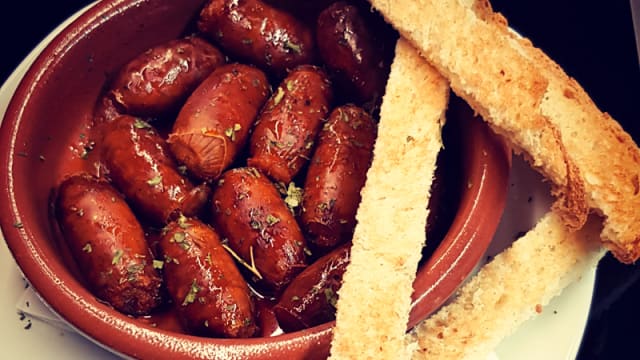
(57, 96)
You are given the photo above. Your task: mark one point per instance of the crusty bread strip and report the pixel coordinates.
(508, 291)
(524, 95)
(601, 149)
(606, 156)
(375, 296)
(497, 83)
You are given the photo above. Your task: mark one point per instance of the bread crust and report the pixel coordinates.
(543, 112)
(606, 155)
(375, 297)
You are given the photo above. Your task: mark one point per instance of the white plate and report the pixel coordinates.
(554, 334)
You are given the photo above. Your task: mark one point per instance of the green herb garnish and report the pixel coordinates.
(117, 256)
(191, 295)
(155, 181)
(141, 124)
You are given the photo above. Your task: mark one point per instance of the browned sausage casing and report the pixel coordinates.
(347, 47)
(141, 166)
(250, 213)
(311, 297)
(336, 175)
(258, 33)
(161, 78)
(214, 123)
(108, 244)
(283, 137)
(304, 10)
(210, 294)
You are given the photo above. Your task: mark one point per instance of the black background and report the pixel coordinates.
(592, 40)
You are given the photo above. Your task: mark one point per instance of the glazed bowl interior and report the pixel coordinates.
(42, 133)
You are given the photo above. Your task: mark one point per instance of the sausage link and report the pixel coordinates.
(108, 244)
(249, 212)
(283, 137)
(336, 175)
(214, 124)
(210, 294)
(311, 297)
(162, 77)
(304, 10)
(141, 166)
(355, 58)
(258, 33)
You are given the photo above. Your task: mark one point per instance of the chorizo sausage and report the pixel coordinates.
(311, 297)
(350, 51)
(141, 166)
(161, 78)
(303, 10)
(336, 174)
(249, 212)
(210, 294)
(258, 33)
(283, 137)
(108, 244)
(214, 123)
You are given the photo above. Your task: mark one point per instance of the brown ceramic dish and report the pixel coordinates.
(57, 96)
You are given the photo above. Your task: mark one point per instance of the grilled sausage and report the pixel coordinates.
(355, 58)
(255, 32)
(303, 10)
(210, 294)
(250, 213)
(286, 130)
(336, 175)
(161, 78)
(214, 123)
(108, 244)
(311, 297)
(141, 166)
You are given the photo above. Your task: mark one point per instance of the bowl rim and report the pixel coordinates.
(165, 344)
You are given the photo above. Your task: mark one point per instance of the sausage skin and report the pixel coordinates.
(210, 294)
(303, 10)
(284, 135)
(336, 175)
(258, 33)
(311, 297)
(354, 57)
(249, 212)
(215, 121)
(141, 166)
(161, 78)
(108, 244)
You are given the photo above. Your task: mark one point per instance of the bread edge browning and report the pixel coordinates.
(375, 297)
(612, 183)
(497, 84)
(595, 164)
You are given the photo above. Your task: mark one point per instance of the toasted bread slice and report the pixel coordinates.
(529, 99)
(509, 290)
(375, 296)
